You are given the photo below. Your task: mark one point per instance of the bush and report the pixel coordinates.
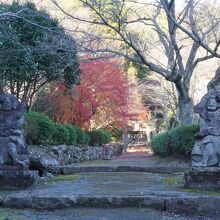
(161, 144)
(86, 138)
(61, 135)
(183, 139)
(106, 136)
(39, 129)
(72, 134)
(81, 136)
(99, 137)
(178, 141)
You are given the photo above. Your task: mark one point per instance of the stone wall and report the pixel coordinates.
(43, 158)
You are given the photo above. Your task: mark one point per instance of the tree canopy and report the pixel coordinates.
(34, 50)
(170, 41)
(102, 97)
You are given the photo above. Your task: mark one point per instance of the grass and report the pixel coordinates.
(202, 192)
(63, 178)
(172, 180)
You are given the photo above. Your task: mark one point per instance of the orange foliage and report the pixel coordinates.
(143, 115)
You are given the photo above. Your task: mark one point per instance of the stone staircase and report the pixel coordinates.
(137, 179)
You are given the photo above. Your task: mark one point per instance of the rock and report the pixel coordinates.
(40, 160)
(118, 149)
(108, 152)
(51, 159)
(47, 174)
(113, 149)
(19, 179)
(67, 154)
(206, 179)
(71, 154)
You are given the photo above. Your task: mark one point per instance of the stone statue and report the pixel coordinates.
(206, 151)
(13, 151)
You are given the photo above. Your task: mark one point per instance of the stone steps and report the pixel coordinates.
(73, 169)
(113, 190)
(135, 186)
(180, 204)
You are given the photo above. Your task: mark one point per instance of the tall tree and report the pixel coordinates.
(170, 42)
(34, 50)
(101, 98)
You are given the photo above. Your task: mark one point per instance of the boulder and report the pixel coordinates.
(41, 160)
(67, 154)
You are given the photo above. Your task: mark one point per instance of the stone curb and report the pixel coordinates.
(180, 205)
(67, 170)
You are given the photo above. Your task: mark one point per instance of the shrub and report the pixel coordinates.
(106, 135)
(72, 134)
(161, 144)
(183, 139)
(61, 135)
(178, 141)
(81, 137)
(86, 138)
(39, 129)
(99, 137)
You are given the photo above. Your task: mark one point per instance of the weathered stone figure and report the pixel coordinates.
(13, 151)
(206, 151)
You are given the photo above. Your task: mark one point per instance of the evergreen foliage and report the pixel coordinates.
(178, 141)
(34, 50)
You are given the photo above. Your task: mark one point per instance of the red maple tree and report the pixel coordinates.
(101, 98)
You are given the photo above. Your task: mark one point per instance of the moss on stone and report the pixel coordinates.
(172, 180)
(202, 192)
(63, 178)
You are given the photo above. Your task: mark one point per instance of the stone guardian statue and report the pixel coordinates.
(206, 151)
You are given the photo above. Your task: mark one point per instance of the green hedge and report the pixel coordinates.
(81, 136)
(99, 137)
(61, 135)
(72, 134)
(178, 141)
(40, 129)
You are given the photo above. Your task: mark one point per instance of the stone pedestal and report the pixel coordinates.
(203, 178)
(15, 178)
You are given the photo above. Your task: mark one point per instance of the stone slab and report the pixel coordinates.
(72, 169)
(19, 179)
(178, 204)
(207, 179)
(114, 190)
(95, 214)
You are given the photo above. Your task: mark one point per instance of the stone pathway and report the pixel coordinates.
(93, 214)
(135, 185)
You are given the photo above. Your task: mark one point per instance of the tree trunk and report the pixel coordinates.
(186, 113)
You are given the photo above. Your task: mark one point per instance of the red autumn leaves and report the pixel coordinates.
(101, 98)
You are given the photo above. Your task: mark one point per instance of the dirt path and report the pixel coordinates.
(137, 151)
